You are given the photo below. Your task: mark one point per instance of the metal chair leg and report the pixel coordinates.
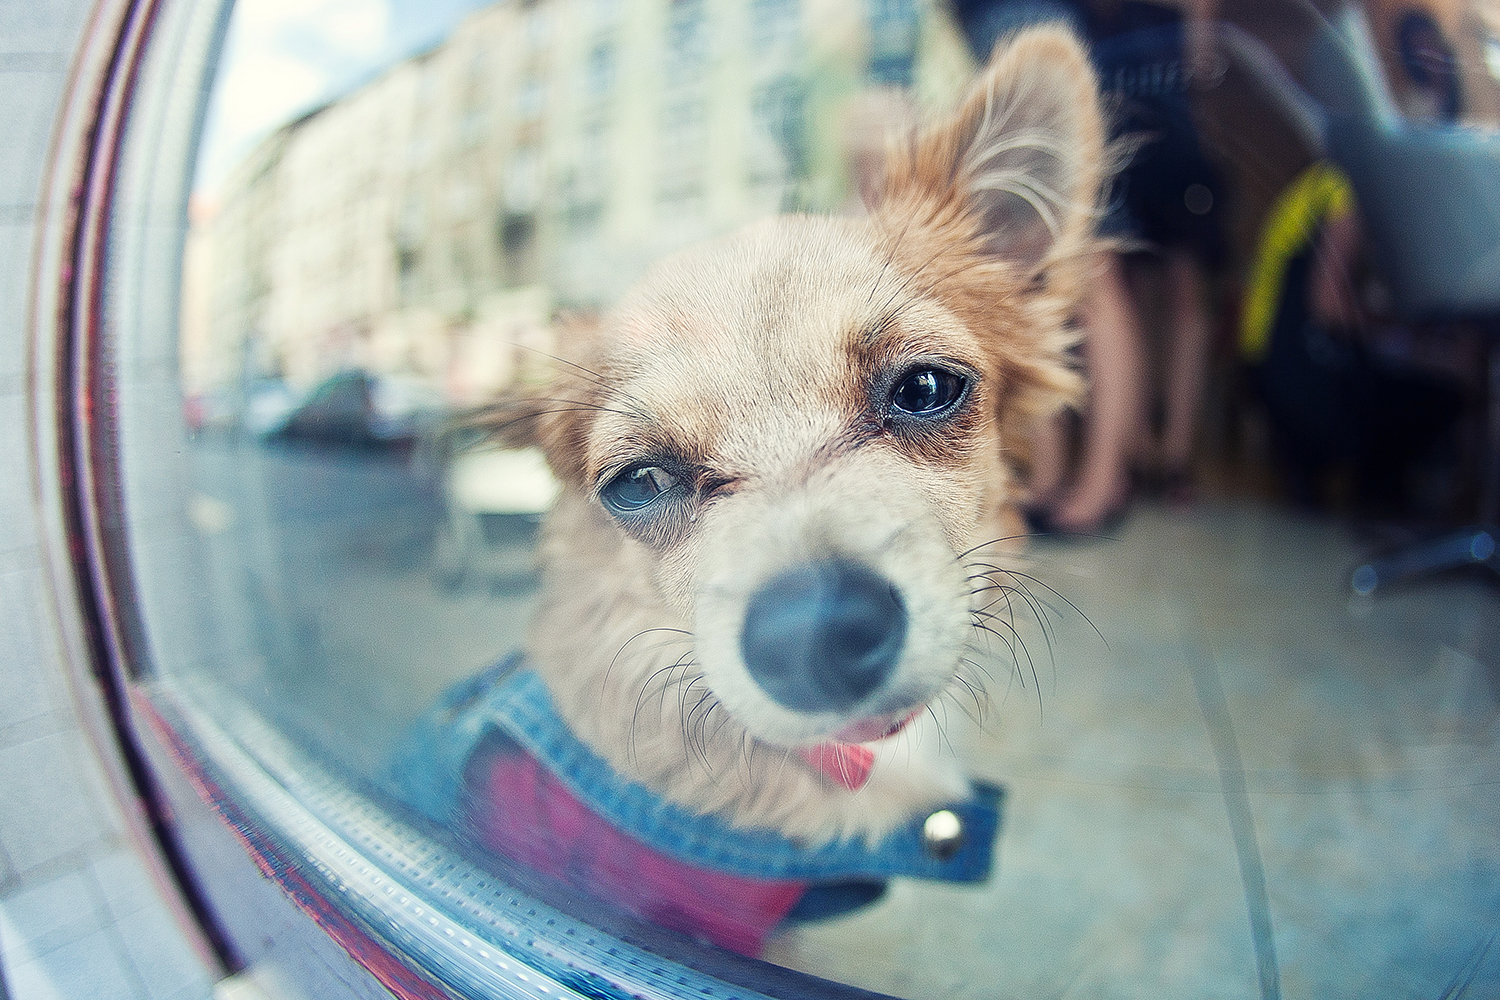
(1468, 547)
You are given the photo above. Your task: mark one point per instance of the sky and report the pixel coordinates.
(284, 57)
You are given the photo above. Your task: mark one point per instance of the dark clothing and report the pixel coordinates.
(1332, 401)
(1168, 196)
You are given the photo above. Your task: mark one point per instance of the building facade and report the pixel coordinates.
(431, 222)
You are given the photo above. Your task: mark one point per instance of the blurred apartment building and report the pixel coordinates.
(431, 222)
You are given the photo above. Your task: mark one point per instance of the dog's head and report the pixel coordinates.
(789, 438)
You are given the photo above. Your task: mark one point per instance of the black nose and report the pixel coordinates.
(822, 636)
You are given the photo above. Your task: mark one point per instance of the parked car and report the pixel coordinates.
(358, 409)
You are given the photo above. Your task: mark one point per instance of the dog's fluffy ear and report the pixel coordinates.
(553, 412)
(1015, 172)
(995, 208)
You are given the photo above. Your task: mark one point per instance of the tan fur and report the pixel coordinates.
(754, 362)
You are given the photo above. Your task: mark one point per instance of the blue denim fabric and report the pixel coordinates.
(428, 774)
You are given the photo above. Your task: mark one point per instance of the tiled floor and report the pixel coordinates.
(1257, 788)
(95, 929)
(1235, 782)
(79, 915)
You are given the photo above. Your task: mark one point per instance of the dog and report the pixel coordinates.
(786, 459)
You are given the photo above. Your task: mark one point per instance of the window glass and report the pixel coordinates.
(1213, 711)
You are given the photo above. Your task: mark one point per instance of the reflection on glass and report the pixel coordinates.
(1228, 774)
(396, 256)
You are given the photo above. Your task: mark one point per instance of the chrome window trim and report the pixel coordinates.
(458, 925)
(63, 321)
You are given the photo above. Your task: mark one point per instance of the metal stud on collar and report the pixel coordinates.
(943, 834)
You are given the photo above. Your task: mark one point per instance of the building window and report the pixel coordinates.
(538, 27)
(893, 41)
(517, 243)
(599, 71)
(531, 97)
(775, 25)
(777, 113)
(681, 152)
(607, 13)
(687, 41)
(590, 175)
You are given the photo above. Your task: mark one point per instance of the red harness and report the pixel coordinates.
(525, 813)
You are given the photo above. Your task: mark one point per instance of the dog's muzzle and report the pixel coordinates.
(823, 636)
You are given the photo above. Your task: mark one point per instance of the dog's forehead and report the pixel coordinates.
(788, 300)
(788, 284)
(759, 336)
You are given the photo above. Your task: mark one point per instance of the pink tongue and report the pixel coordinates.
(850, 764)
(847, 764)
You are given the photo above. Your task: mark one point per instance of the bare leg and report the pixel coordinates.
(1049, 463)
(1112, 348)
(1187, 367)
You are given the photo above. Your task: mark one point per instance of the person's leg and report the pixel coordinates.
(1049, 465)
(1189, 338)
(1114, 419)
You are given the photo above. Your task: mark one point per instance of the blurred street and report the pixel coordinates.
(338, 624)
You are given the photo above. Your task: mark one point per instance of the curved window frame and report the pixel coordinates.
(422, 920)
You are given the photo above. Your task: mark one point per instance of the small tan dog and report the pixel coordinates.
(781, 452)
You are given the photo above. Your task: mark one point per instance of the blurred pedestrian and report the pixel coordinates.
(1167, 202)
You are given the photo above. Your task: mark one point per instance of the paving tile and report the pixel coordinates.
(24, 663)
(46, 812)
(45, 917)
(1144, 887)
(47, 28)
(1099, 893)
(15, 251)
(18, 525)
(7, 871)
(91, 967)
(110, 905)
(122, 881)
(35, 728)
(165, 964)
(1383, 892)
(1127, 714)
(26, 116)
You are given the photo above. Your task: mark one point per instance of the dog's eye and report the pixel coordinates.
(927, 392)
(635, 488)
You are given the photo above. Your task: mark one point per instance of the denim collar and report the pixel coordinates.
(515, 700)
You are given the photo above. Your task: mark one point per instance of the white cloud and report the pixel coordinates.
(283, 57)
(266, 89)
(357, 25)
